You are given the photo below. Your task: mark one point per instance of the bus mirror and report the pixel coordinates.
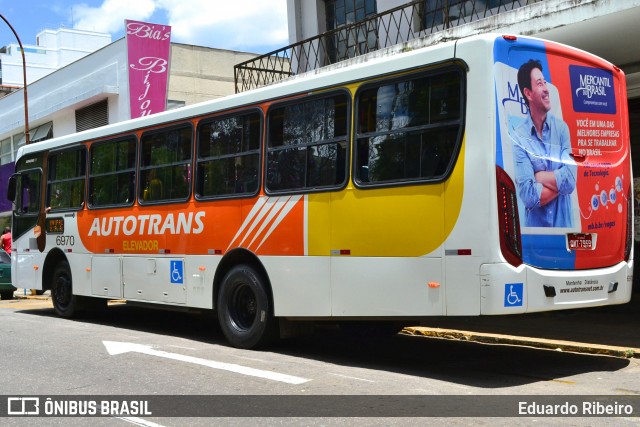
(11, 188)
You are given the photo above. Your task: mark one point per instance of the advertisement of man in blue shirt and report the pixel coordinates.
(544, 170)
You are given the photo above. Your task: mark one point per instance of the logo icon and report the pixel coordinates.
(177, 271)
(515, 96)
(513, 294)
(23, 406)
(592, 90)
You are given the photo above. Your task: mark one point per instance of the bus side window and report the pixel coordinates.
(112, 172)
(363, 160)
(126, 191)
(154, 189)
(229, 156)
(25, 195)
(306, 143)
(66, 179)
(408, 128)
(165, 164)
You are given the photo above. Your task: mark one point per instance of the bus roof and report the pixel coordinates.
(375, 63)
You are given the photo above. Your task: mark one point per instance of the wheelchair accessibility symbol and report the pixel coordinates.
(177, 272)
(513, 294)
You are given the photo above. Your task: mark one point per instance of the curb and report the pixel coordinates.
(556, 345)
(20, 295)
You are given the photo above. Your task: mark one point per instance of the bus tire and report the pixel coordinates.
(6, 295)
(64, 302)
(244, 309)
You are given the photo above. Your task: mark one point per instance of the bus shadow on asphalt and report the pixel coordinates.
(462, 362)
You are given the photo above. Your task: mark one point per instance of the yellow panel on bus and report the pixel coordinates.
(400, 221)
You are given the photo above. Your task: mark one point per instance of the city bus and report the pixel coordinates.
(489, 175)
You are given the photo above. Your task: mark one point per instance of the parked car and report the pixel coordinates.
(6, 288)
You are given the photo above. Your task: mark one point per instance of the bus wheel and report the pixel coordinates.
(64, 302)
(6, 295)
(244, 309)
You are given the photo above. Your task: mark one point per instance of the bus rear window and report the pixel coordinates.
(408, 130)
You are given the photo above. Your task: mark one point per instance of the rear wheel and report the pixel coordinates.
(64, 302)
(244, 309)
(5, 295)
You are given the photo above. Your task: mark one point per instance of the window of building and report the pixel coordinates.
(36, 134)
(440, 14)
(65, 186)
(92, 116)
(350, 42)
(307, 144)
(41, 133)
(112, 172)
(165, 164)
(229, 156)
(408, 130)
(19, 140)
(6, 151)
(435, 14)
(172, 104)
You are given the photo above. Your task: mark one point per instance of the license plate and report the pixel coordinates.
(580, 241)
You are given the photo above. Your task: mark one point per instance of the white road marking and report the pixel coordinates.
(183, 347)
(140, 422)
(114, 348)
(352, 378)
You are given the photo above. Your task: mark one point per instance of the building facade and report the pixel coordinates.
(94, 91)
(53, 50)
(601, 27)
(323, 32)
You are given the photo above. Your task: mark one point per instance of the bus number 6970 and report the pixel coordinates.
(65, 240)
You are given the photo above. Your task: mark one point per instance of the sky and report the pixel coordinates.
(256, 26)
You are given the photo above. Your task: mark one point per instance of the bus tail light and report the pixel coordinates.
(629, 237)
(508, 218)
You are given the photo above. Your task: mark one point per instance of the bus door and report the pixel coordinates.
(25, 191)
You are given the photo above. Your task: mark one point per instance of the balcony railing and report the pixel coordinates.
(398, 25)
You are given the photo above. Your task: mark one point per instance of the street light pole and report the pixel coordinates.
(24, 77)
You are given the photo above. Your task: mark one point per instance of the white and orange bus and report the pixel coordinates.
(488, 175)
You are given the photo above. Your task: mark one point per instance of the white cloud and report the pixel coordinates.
(234, 24)
(110, 16)
(253, 25)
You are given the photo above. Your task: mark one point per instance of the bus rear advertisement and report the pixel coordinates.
(489, 175)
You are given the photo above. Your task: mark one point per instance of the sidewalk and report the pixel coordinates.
(612, 330)
(29, 294)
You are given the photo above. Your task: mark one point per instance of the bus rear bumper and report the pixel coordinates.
(509, 290)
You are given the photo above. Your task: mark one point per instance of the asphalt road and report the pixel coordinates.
(127, 351)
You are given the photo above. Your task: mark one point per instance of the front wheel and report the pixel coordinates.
(64, 302)
(244, 309)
